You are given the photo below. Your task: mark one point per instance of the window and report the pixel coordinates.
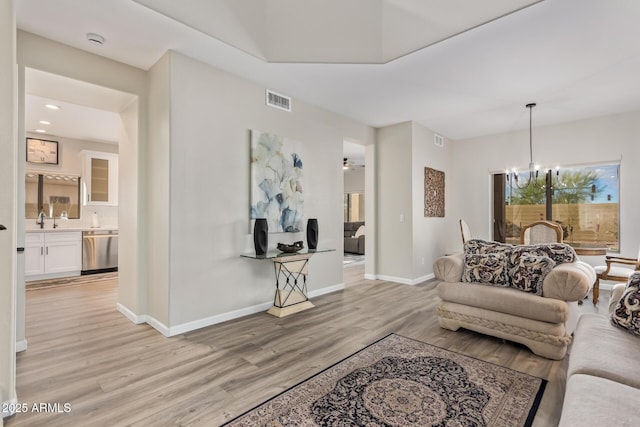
(353, 207)
(54, 194)
(584, 200)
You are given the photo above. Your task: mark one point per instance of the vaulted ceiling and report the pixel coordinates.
(458, 68)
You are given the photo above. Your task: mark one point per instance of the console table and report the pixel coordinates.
(291, 270)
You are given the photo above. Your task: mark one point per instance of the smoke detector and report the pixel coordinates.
(96, 39)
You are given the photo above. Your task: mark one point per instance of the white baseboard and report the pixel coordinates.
(11, 405)
(218, 318)
(144, 318)
(77, 273)
(137, 319)
(425, 278)
(370, 277)
(21, 345)
(404, 281)
(326, 290)
(212, 320)
(159, 326)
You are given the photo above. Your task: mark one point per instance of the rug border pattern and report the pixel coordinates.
(530, 416)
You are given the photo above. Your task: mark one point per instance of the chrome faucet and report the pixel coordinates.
(40, 220)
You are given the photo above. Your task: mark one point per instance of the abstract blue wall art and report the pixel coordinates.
(276, 182)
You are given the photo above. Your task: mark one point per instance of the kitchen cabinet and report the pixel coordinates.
(53, 254)
(99, 178)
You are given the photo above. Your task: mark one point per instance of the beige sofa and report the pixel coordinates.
(603, 380)
(543, 323)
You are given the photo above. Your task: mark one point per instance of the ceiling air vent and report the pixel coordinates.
(276, 100)
(438, 140)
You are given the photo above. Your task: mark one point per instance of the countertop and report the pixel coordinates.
(50, 229)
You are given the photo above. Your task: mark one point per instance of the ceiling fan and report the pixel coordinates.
(350, 164)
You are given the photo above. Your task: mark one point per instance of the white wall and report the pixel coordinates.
(429, 234)
(209, 176)
(132, 201)
(393, 165)
(407, 249)
(602, 139)
(354, 180)
(69, 158)
(8, 160)
(158, 197)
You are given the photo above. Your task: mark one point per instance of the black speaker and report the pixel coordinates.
(261, 236)
(312, 233)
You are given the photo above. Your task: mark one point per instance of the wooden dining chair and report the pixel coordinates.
(541, 232)
(465, 231)
(615, 273)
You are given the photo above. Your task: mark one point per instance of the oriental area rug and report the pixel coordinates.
(399, 381)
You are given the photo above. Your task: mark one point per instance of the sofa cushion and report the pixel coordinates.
(528, 275)
(593, 401)
(505, 300)
(626, 315)
(359, 231)
(605, 351)
(487, 269)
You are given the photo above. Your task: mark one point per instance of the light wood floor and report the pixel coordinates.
(83, 352)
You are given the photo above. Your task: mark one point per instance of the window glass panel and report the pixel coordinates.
(586, 204)
(353, 207)
(525, 203)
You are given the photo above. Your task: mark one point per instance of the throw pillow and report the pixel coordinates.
(558, 252)
(627, 313)
(488, 269)
(359, 231)
(529, 273)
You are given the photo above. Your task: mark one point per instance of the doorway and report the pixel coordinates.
(89, 118)
(353, 167)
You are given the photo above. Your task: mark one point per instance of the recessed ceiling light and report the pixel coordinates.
(95, 39)
(41, 131)
(44, 122)
(52, 106)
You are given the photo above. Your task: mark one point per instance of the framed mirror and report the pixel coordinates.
(54, 194)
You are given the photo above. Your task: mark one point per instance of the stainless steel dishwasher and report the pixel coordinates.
(99, 251)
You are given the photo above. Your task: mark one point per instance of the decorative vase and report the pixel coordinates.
(261, 236)
(312, 233)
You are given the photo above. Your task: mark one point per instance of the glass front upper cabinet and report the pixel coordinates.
(100, 178)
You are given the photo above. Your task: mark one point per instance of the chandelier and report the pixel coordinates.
(534, 169)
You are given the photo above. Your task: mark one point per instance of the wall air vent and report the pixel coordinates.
(438, 140)
(276, 100)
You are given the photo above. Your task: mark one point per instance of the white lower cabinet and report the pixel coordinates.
(53, 254)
